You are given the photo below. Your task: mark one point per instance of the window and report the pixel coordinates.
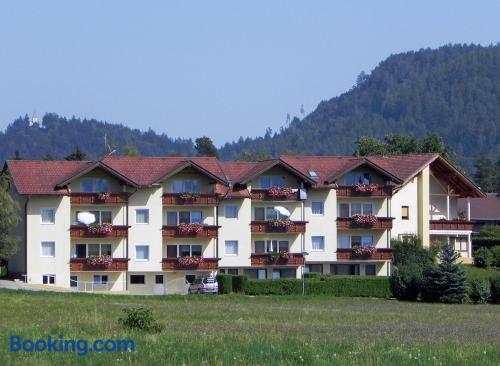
(271, 246)
(231, 247)
(232, 271)
(460, 244)
(405, 212)
(142, 216)
(95, 185)
(355, 208)
(100, 279)
(73, 281)
(367, 241)
(231, 211)
(49, 279)
(184, 217)
(317, 208)
(171, 251)
(317, 268)
(48, 216)
(313, 174)
(344, 241)
(101, 217)
(48, 249)
(344, 210)
(142, 252)
(356, 241)
(318, 243)
(184, 250)
(256, 274)
(272, 181)
(344, 269)
(159, 279)
(89, 250)
(180, 186)
(137, 280)
(354, 178)
(405, 238)
(267, 213)
(370, 270)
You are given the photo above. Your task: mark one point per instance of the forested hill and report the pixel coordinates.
(58, 136)
(453, 91)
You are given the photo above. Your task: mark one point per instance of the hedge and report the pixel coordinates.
(225, 283)
(485, 242)
(350, 286)
(239, 283)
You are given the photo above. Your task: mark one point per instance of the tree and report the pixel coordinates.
(76, 155)
(485, 174)
(9, 218)
(497, 169)
(366, 146)
(205, 147)
(48, 157)
(17, 155)
(130, 150)
(446, 282)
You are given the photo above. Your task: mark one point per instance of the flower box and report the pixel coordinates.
(188, 196)
(364, 220)
(103, 196)
(363, 188)
(100, 261)
(100, 229)
(364, 251)
(279, 192)
(189, 229)
(190, 262)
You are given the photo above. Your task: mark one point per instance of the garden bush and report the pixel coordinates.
(3, 272)
(483, 258)
(479, 291)
(496, 255)
(406, 282)
(225, 283)
(495, 290)
(312, 275)
(141, 319)
(349, 286)
(239, 283)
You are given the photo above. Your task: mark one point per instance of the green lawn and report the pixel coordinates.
(244, 330)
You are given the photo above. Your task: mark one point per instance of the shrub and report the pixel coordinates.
(3, 272)
(225, 283)
(141, 319)
(406, 282)
(485, 242)
(445, 282)
(483, 258)
(495, 290)
(312, 275)
(479, 291)
(239, 283)
(496, 255)
(353, 286)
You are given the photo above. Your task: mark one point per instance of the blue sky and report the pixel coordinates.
(217, 68)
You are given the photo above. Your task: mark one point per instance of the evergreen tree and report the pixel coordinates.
(17, 155)
(9, 218)
(485, 174)
(205, 147)
(446, 282)
(76, 155)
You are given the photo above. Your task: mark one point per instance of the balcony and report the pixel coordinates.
(201, 231)
(81, 264)
(267, 259)
(451, 225)
(381, 223)
(353, 191)
(84, 198)
(384, 254)
(82, 231)
(268, 227)
(172, 264)
(261, 194)
(198, 199)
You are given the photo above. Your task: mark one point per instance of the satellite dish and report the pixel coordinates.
(282, 211)
(86, 218)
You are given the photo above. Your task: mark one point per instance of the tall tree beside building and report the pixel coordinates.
(205, 147)
(9, 218)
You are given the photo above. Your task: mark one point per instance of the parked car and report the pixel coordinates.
(204, 285)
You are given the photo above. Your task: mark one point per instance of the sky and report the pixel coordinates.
(223, 69)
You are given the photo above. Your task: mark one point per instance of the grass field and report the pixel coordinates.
(242, 330)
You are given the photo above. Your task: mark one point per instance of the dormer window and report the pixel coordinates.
(94, 185)
(355, 178)
(185, 185)
(313, 174)
(269, 181)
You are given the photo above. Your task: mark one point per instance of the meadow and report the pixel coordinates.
(244, 330)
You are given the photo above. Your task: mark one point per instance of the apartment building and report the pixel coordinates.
(159, 222)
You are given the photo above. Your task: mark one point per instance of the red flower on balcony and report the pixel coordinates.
(100, 260)
(103, 196)
(283, 255)
(364, 251)
(187, 229)
(364, 220)
(188, 196)
(363, 188)
(100, 229)
(190, 262)
(281, 224)
(279, 192)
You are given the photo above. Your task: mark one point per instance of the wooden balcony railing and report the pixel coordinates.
(81, 231)
(383, 223)
(261, 194)
(170, 264)
(201, 199)
(267, 259)
(172, 231)
(381, 254)
(257, 227)
(350, 191)
(80, 264)
(451, 225)
(84, 198)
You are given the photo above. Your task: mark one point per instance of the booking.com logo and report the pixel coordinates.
(78, 346)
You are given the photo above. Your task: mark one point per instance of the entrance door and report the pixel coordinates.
(159, 287)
